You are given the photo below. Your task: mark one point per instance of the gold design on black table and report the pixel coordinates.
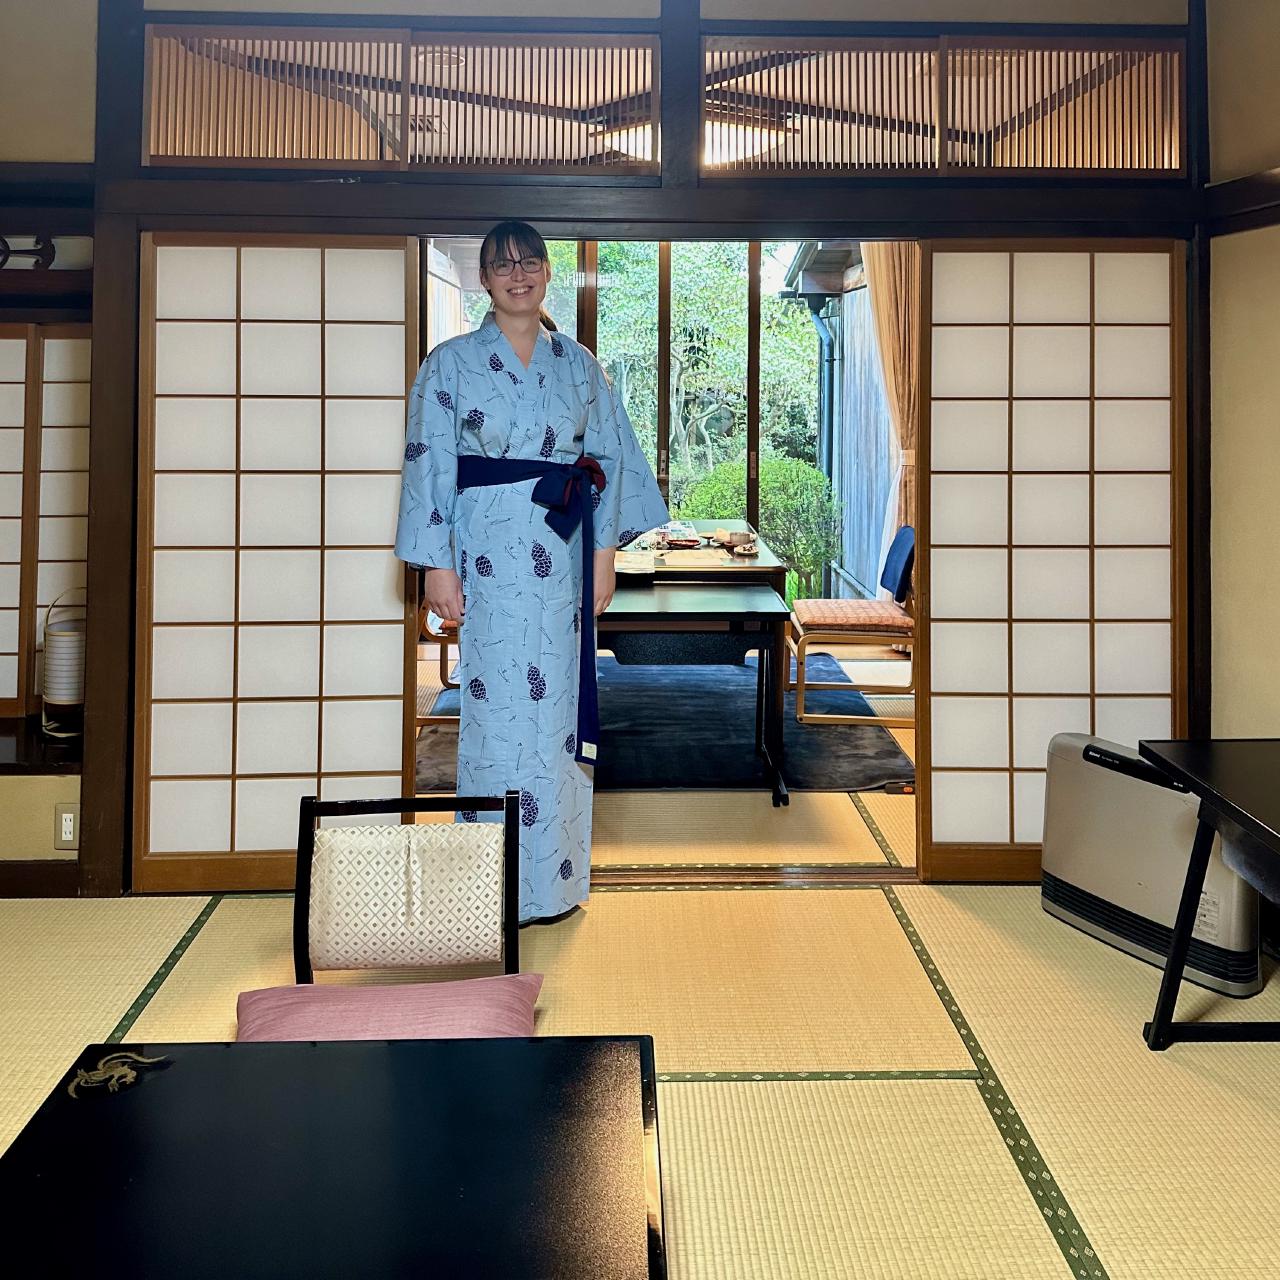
(116, 1071)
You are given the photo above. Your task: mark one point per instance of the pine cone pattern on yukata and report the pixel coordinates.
(528, 809)
(484, 566)
(542, 564)
(571, 744)
(537, 685)
(495, 363)
(445, 400)
(477, 690)
(436, 517)
(548, 444)
(557, 347)
(566, 869)
(475, 419)
(414, 450)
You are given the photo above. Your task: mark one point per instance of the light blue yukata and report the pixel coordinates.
(522, 583)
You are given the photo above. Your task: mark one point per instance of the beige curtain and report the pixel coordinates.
(893, 282)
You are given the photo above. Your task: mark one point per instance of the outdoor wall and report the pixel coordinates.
(27, 805)
(953, 10)
(47, 73)
(1244, 91)
(1245, 464)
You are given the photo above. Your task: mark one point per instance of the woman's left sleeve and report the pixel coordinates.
(631, 503)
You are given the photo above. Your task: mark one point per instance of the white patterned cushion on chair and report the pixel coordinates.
(413, 896)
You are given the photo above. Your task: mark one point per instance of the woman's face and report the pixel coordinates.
(520, 293)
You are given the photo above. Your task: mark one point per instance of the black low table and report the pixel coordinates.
(747, 615)
(453, 1158)
(1237, 782)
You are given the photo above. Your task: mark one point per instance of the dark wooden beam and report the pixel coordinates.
(466, 25)
(1199, 585)
(39, 878)
(55, 187)
(1243, 204)
(1199, 561)
(105, 831)
(764, 209)
(106, 836)
(680, 93)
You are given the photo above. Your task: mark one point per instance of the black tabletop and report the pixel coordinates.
(1237, 777)
(680, 602)
(428, 1158)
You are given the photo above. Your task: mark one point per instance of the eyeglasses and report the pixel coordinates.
(504, 266)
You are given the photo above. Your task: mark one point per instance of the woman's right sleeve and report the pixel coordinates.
(429, 477)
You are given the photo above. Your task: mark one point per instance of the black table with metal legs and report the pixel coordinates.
(1238, 784)
(731, 620)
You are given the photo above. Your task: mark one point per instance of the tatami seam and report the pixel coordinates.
(157, 979)
(1076, 1249)
(874, 827)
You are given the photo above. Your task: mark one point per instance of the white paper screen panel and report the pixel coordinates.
(1052, 556)
(13, 435)
(277, 637)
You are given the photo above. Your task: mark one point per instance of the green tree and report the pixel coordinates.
(799, 518)
(708, 413)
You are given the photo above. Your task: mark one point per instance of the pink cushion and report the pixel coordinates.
(476, 1008)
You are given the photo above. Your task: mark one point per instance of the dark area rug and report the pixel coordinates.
(694, 727)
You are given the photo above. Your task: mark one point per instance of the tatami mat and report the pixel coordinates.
(246, 944)
(877, 671)
(745, 980)
(1166, 1158)
(895, 816)
(71, 968)
(793, 1180)
(644, 828)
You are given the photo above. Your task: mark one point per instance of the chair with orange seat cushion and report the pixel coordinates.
(853, 622)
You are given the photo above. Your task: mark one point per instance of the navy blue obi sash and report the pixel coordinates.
(567, 491)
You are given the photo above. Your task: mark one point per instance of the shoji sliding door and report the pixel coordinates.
(62, 537)
(1051, 563)
(275, 639)
(17, 374)
(44, 495)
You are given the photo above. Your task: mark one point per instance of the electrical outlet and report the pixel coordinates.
(66, 826)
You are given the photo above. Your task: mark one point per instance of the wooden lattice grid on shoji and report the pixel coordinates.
(943, 106)
(275, 654)
(392, 99)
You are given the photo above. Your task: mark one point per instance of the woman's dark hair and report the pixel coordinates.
(520, 240)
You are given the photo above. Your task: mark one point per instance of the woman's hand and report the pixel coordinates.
(442, 590)
(605, 578)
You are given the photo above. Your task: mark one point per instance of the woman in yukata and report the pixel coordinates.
(521, 476)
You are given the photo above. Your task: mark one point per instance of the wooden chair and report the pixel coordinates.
(407, 896)
(854, 622)
(444, 636)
